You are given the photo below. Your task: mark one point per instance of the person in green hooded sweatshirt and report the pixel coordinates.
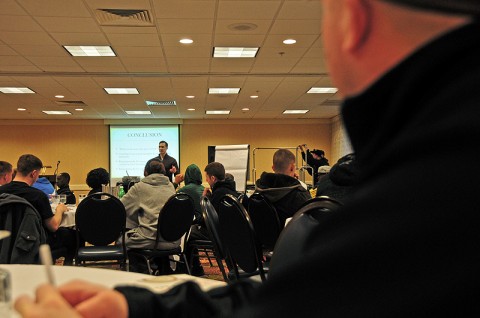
(194, 188)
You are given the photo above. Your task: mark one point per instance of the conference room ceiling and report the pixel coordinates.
(145, 34)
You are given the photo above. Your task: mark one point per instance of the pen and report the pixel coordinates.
(46, 259)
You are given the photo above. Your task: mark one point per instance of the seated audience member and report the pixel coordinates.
(28, 171)
(97, 178)
(339, 182)
(323, 170)
(194, 188)
(314, 158)
(281, 188)
(143, 203)
(6, 172)
(63, 183)
(219, 186)
(44, 185)
(406, 243)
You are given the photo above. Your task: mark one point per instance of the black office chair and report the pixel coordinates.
(210, 218)
(238, 234)
(100, 220)
(294, 237)
(265, 221)
(174, 222)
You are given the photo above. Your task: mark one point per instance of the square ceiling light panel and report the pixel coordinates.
(235, 52)
(89, 50)
(16, 90)
(121, 91)
(322, 90)
(223, 90)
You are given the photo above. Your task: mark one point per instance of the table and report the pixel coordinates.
(68, 217)
(25, 278)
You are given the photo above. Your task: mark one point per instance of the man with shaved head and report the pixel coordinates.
(407, 242)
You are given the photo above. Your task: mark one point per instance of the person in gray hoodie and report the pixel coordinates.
(143, 203)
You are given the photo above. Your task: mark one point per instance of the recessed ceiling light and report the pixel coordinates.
(254, 96)
(190, 96)
(89, 50)
(56, 112)
(79, 109)
(223, 90)
(138, 112)
(191, 109)
(235, 52)
(245, 109)
(121, 91)
(322, 90)
(295, 111)
(289, 41)
(59, 96)
(186, 41)
(217, 112)
(16, 90)
(21, 109)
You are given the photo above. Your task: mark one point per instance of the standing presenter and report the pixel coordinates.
(170, 163)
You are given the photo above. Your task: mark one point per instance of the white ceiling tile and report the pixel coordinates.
(73, 25)
(55, 8)
(80, 38)
(259, 10)
(133, 40)
(184, 26)
(195, 9)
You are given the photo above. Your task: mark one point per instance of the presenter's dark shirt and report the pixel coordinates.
(168, 162)
(36, 197)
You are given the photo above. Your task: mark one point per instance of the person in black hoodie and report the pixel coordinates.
(338, 183)
(281, 188)
(219, 186)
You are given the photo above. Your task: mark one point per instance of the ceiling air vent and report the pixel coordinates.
(70, 103)
(124, 17)
(160, 103)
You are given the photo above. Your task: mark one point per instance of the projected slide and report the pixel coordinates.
(132, 146)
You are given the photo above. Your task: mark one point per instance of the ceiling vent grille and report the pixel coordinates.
(161, 103)
(124, 17)
(70, 103)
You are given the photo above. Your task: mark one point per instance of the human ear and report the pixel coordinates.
(358, 14)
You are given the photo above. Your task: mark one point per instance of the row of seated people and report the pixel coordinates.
(145, 199)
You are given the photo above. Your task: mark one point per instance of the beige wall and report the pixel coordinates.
(83, 145)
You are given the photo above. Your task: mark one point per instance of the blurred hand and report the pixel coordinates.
(88, 300)
(49, 304)
(61, 208)
(179, 178)
(207, 192)
(173, 169)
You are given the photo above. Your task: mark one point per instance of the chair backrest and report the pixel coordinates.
(175, 217)
(210, 217)
(236, 231)
(264, 219)
(296, 235)
(100, 219)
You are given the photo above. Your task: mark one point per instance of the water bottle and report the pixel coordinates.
(121, 192)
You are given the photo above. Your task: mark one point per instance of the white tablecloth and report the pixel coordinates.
(25, 278)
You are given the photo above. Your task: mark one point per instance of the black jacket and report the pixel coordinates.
(23, 221)
(219, 189)
(407, 243)
(284, 192)
(70, 196)
(340, 181)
